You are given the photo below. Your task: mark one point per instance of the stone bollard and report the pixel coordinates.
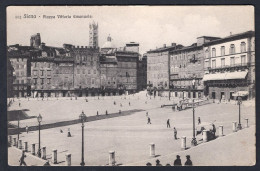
(220, 131)
(14, 142)
(33, 149)
(26, 146)
(54, 156)
(246, 122)
(234, 126)
(152, 150)
(68, 159)
(20, 144)
(112, 160)
(183, 143)
(44, 152)
(205, 135)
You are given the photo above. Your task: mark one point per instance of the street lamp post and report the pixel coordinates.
(18, 126)
(193, 141)
(39, 119)
(239, 127)
(82, 118)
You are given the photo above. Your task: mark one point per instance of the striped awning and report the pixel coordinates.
(226, 76)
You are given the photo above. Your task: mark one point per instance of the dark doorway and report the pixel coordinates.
(222, 95)
(213, 94)
(231, 97)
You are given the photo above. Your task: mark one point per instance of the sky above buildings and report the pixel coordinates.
(151, 26)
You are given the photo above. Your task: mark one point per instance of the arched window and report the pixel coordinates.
(232, 49)
(243, 47)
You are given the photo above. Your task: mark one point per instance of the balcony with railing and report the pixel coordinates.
(240, 65)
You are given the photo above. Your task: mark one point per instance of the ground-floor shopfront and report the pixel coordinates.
(180, 93)
(227, 93)
(79, 93)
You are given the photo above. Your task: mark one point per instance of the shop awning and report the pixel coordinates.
(225, 76)
(216, 76)
(240, 93)
(236, 75)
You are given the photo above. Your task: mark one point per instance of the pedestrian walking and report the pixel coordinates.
(129, 104)
(97, 113)
(146, 113)
(199, 121)
(120, 104)
(69, 134)
(61, 131)
(175, 133)
(214, 129)
(106, 112)
(22, 162)
(149, 120)
(188, 161)
(168, 123)
(19, 104)
(27, 129)
(177, 161)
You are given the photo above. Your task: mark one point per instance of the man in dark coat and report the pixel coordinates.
(199, 122)
(214, 130)
(168, 123)
(149, 120)
(175, 133)
(188, 161)
(22, 162)
(177, 162)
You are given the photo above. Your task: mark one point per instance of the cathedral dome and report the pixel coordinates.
(109, 44)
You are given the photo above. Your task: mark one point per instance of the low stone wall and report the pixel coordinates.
(12, 131)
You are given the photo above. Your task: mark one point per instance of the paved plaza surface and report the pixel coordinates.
(129, 136)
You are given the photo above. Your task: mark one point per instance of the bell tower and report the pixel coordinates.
(93, 35)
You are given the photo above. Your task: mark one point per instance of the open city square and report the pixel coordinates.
(153, 86)
(129, 136)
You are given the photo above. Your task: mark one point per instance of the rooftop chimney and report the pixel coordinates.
(164, 45)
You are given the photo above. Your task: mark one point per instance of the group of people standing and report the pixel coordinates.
(177, 162)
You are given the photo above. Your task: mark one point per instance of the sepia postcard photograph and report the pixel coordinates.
(131, 85)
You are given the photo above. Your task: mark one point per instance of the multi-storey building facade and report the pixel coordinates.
(158, 66)
(118, 67)
(230, 66)
(109, 72)
(186, 69)
(142, 73)
(127, 69)
(10, 78)
(19, 57)
(86, 68)
(46, 71)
